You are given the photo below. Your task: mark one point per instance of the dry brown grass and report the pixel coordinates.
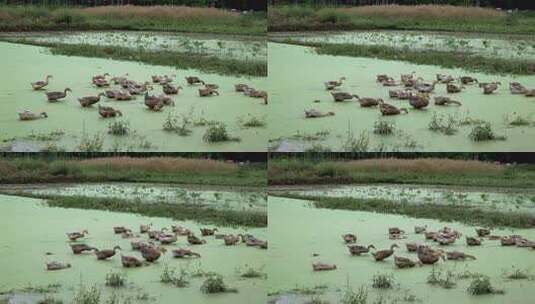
(421, 165)
(158, 11)
(157, 164)
(421, 11)
(6, 168)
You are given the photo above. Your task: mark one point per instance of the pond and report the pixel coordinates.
(68, 124)
(23, 256)
(295, 90)
(488, 45)
(224, 46)
(301, 234)
(201, 196)
(492, 198)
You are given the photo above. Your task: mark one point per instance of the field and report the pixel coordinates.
(313, 202)
(426, 43)
(221, 274)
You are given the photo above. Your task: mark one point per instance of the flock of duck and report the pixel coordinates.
(415, 90)
(426, 255)
(130, 88)
(154, 245)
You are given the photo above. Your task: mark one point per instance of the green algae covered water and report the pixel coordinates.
(73, 123)
(30, 230)
(301, 234)
(294, 90)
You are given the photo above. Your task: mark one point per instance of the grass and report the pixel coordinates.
(176, 211)
(181, 124)
(215, 284)
(130, 17)
(252, 273)
(383, 281)
(130, 169)
(218, 133)
(208, 64)
(382, 127)
(119, 128)
(351, 296)
(426, 210)
(169, 276)
(444, 59)
(90, 143)
(115, 279)
(482, 286)
(430, 170)
(445, 124)
(252, 121)
(518, 274)
(398, 17)
(483, 132)
(443, 279)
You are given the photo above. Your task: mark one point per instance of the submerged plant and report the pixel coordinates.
(481, 286)
(115, 279)
(382, 127)
(119, 127)
(383, 281)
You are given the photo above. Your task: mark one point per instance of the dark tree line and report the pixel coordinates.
(504, 4)
(257, 5)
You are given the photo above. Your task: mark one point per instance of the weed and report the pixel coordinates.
(483, 132)
(218, 133)
(115, 279)
(481, 286)
(215, 284)
(119, 127)
(91, 144)
(383, 281)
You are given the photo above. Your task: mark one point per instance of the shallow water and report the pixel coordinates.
(23, 255)
(297, 230)
(294, 90)
(488, 45)
(227, 46)
(221, 198)
(33, 63)
(502, 199)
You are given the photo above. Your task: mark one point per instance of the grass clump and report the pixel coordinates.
(85, 295)
(383, 281)
(517, 120)
(447, 125)
(119, 127)
(179, 124)
(483, 132)
(252, 273)
(253, 122)
(356, 144)
(91, 143)
(351, 296)
(382, 127)
(115, 279)
(215, 284)
(442, 279)
(47, 300)
(169, 276)
(518, 274)
(218, 133)
(482, 286)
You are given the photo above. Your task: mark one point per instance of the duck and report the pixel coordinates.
(193, 240)
(343, 96)
(443, 78)
(313, 113)
(192, 80)
(123, 95)
(508, 241)
(402, 262)
(483, 232)
(130, 261)
(111, 93)
(154, 234)
(383, 254)
(252, 241)
(429, 256)
(80, 248)
(151, 253)
(382, 77)
(38, 85)
(170, 89)
(206, 92)
(143, 228)
(419, 101)
(420, 229)
(468, 80)
(366, 102)
(232, 239)
(54, 265)
(530, 93)
(472, 241)
(137, 244)
(73, 236)
(332, 84)
(240, 87)
(107, 112)
(29, 115)
(388, 109)
(153, 102)
(349, 238)
(167, 239)
(445, 101)
(359, 249)
(90, 100)
(452, 88)
(101, 82)
(119, 79)
(445, 240)
(400, 94)
(208, 231)
(389, 82)
(179, 230)
(430, 235)
(106, 253)
(423, 87)
(319, 266)
(457, 255)
(411, 247)
(184, 253)
(517, 88)
(258, 94)
(55, 96)
(99, 77)
(489, 88)
(120, 229)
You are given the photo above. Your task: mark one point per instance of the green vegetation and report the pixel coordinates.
(252, 121)
(382, 127)
(252, 273)
(129, 17)
(482, 286)
(352, 296)
(444, 279)
(90, 143)
(115, 279)
(215, 284)
(287, 171)
(119, 127)
(383, 281)
(208, 64)
(518, 274)
(130, 169)
(445, 59)
(483, 132)
(169, 276)
(178, 211)
(446, 213)
(218, 133)
(445, 124)
(399, 17)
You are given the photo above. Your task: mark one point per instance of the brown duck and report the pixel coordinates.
(41, 84)
(429, 256)
(80, 248)
(445, 101)
(400, 94)
(411, 247)
(130, 261)
(419, 101)
(313, 113)
(193, 240)
(318, 266)
(359, 249)
(120, 229)
(206, 92)
(151, 253)
(73, 236)
(107, 112)
(332, 84)
(184, 253)
(232, 239)
(29, 115)
(489, 88)
(452, 88)
(192, 80)
(144, 228)
(482, 232)
(170, 89)
(54, 265)
(420, 229)
(153, 102)
(402, 262)
(349, 238)
(240, 87)
(388, 109)
(208, 231)
(55, 96)
(366, 102)
(342, 96)
(472, 241)
(383, 254)
(90, 100)
(468, 80)
(457, 255)
(106, 253)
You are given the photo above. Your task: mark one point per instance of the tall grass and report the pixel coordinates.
(129, 17)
